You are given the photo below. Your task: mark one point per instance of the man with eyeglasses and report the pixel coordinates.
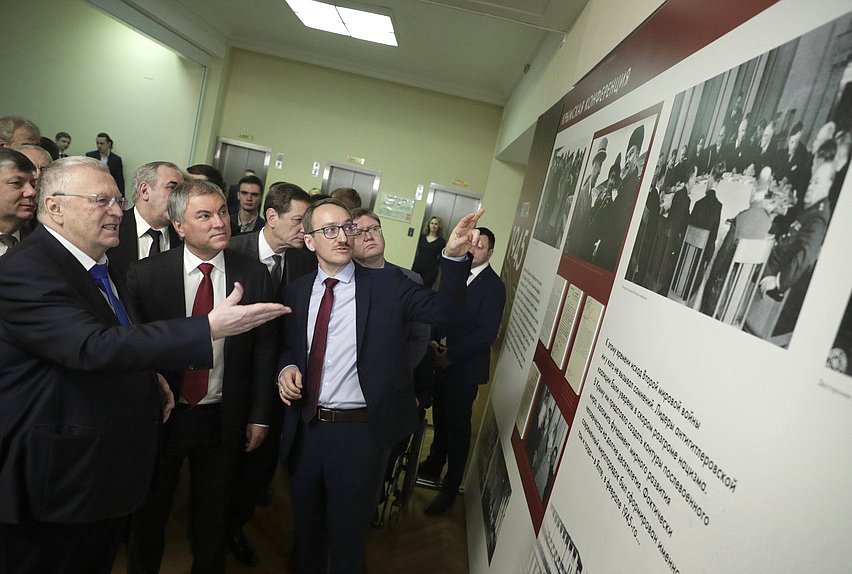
(346, 379)
(145, 228)
(82, 404)
(369, 252)
(17, 197)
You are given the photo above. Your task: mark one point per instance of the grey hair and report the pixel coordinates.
(148, 173)
(8, 125)
(179, 197)
(56, 176)
(22, 147)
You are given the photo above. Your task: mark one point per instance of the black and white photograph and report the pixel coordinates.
(562, 178)
(752, 165)
(545, 442)
(554, 551)
(841, 351)
(488, 438)
(606, 198)
(495, 498)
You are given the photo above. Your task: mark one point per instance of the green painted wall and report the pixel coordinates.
(412, 136)
(71, 67)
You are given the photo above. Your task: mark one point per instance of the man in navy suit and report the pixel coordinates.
(352, 400)
(146, 228)
(211, 426)
(463, 363)
(109, 159)
(81, 404)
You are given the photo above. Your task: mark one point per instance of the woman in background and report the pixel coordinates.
(428, 256)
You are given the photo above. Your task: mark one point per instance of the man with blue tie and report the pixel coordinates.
(81, 403)
(347, 382)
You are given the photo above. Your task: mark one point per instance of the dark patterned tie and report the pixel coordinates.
(277, 272)
(316, 358)
(8, 240)
(195, 382)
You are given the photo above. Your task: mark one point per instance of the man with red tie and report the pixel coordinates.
(347, 382)
(221, 411)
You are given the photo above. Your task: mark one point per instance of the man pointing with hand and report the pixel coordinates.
(347, 382)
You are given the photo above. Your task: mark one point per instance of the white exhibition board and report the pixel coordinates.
(696, 444)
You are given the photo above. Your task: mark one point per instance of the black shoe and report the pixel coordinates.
(440, 504)
(429, 471)
(242, 548)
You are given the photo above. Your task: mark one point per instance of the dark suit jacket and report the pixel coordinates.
(156, 287)
(471, 333)
(79, 405)
(116, 169)
(235, 224)
(297, 262)
(385, 302)
(127, 250)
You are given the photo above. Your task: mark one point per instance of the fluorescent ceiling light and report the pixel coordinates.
(345, 21)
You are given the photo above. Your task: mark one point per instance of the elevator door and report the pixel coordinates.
(364, 181)
(234, 157)
(450, 205)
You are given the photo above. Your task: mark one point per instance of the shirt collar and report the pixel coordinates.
(346, 275)
(86, 261)
(191, 262)
(143, 226)
(264, 250)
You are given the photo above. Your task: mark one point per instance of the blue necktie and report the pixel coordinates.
(101, 276)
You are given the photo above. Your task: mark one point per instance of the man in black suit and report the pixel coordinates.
(463, 359)
(280, 246)
(17, 197)
(81, 402)
(795, 164)
(145, 228)
(109, 159)
(225, 412)
(358, 399)
(250, 195)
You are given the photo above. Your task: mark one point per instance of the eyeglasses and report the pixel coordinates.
(332, 231)
(372, 230)
(101, 200)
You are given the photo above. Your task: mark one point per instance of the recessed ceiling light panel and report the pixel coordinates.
(358, 24)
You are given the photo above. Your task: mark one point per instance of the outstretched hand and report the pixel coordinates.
(464, 235)
(229, 318)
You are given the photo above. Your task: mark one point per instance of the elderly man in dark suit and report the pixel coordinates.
(352, 400)
(17, 197)
(220, 412)
(146, 228)
(463, 364)
(81, 404)
(279, 246)
(113, 161)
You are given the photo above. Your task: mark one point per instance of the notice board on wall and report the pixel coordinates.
(674, 385)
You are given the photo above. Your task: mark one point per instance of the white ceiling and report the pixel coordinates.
(470, 48)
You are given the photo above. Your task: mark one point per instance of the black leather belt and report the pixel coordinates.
(342, 416)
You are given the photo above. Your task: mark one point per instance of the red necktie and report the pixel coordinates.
(317, 355)
(195, 382)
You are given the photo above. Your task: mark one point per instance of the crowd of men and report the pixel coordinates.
(134, 339)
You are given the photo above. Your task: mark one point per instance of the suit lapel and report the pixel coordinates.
(363, 290)
(78, 277)
(172, 275)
